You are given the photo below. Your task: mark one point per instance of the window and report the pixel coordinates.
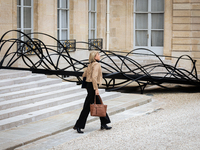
(25, 17)
(92, 19)
(149, 24)
(63, 19)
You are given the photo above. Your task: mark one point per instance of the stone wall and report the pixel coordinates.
(8, 21)
(121, 25)
(181, 28)
(45, 19)
(101, 21)
(79, 20)
(186, 29)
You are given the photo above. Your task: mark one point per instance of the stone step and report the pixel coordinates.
(33, 91)
(2, 71)
(50, 111)
(71, 88)
(13, 74)
(30, 78)
(29, 85)
(27, 97)
(19, 110)
(30, 136)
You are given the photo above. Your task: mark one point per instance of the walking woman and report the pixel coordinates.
(93, 76)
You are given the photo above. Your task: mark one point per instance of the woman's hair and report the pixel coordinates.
(92, 56)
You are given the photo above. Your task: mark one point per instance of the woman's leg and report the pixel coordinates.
(80, 123)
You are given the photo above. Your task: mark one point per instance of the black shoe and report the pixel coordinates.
(78, 130)
(105, 127)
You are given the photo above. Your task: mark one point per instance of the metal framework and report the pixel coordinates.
(119, 66)
(69, 45)
(98, 44)
(29, 48)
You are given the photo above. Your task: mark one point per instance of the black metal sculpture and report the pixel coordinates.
(119, 66)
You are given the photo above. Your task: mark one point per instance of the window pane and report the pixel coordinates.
(92, 20)
(157, 21)
(18, 34)
(58, 3)
(18, 2)
(92, 35)
(142, 5)
(64, 35)
(58, 23)
(141, 38)
(27, 32)
(18, 17)
(157, 38)
(157, 5)
(64, 4)
(93, 5)
(27, 2)
(58, 35)
(27, 17)
(141, 21)
(64, 19)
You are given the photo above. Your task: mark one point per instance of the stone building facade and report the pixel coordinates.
(115, 22)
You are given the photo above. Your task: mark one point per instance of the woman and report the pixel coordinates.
(93, 76)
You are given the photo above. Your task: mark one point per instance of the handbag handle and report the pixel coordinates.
(99, 99)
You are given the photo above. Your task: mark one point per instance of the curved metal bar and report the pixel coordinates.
(115, 65)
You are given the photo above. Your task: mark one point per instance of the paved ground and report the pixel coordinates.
(175, 127)
(171, 121)
(42, 129)
(92, 127)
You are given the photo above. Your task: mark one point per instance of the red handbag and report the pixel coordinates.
(98, 109)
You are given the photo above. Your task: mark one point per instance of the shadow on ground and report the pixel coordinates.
(156, 89)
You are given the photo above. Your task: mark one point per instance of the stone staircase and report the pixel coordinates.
(27, 97)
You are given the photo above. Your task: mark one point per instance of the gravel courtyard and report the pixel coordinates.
(174, 127)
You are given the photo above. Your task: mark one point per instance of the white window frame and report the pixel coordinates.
(59, 27)
(157, 49)
(22, 6)
(90, 11)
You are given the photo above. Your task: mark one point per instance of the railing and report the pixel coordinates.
(69, 45)
(115, 65)
(95, 44)
(28, 48)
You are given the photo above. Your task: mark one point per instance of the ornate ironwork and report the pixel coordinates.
(69, 45)
(28, 48)
(119, 69)
(95, 44)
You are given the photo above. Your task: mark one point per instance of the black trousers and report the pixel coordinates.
(80, 123)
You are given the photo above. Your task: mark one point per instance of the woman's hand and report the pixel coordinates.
(97, 91)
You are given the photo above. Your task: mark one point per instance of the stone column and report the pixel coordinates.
(167, 28)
